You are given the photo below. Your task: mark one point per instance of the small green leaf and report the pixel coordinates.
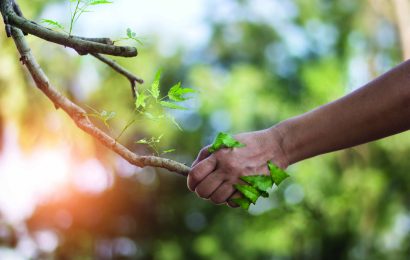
(277, 174)
(107, 116)
(149, 115)
(142, 141)
(158, 139)
(140, 101)
(248, 191)
(155, 85)
(177, 93)
(224, 140)
(99, 2)
(171, 105)
(53, 23)
(168, 151)
(174, 122)
(129, 33)
(242, 202)
(261, 182)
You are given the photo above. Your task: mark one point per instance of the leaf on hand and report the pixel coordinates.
(248, 192)
(171, 105)
(261, 182)
(258, 185)
(155, 85)
(277, 174)
(243, 203)
(140, 101)
(177, 93)
(53, 23)
(224, 140)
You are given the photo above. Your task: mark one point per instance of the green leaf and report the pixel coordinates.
(224, 140)
(168, 151)
(140, 101)
(129, 33)
(99, 2)
(157, 140)
(155, 85)
(277, 174)
(132, 36)
(142, 141)
(171, 105)
(53, 23)
(149, 115)
(107, 116)
(242, 202)
(174, 122)
(261, 182)
(248, 192)
(177, 93)
(258, 185)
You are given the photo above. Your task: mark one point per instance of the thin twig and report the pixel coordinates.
(81, 45)
(131, 77)
(79, 116)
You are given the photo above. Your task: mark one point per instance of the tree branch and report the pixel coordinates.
(100, 40)
(79, 115)
(80, 44)
(131, 77)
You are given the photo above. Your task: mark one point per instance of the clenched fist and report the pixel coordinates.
(214, 174)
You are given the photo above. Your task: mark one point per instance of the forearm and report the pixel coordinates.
(378, 109)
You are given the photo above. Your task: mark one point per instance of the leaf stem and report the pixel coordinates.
(73, 15)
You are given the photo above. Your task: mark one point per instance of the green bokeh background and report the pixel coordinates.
(352, 204)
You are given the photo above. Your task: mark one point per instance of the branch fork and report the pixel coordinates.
(17, 27)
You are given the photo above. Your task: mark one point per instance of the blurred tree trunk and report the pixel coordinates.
(402, 11)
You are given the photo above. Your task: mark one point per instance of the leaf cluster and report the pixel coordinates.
(149, 100)
(258, 185)
(152, 97)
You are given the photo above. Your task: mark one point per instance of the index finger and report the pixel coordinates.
(201, 155)
(200, 171)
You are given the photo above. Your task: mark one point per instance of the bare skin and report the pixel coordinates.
(380, 108)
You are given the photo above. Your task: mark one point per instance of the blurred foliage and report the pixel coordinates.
(266, 60)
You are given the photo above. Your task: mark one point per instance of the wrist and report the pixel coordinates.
(278, 134)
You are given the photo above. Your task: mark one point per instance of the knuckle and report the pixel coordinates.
(232, 204)
(193, 177)
(230, 165)
(250, 169)
(201, 192)
(222, 153)
(217, 199)
(203, 151)
(192, 181)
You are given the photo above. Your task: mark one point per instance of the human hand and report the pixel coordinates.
(213, 175)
